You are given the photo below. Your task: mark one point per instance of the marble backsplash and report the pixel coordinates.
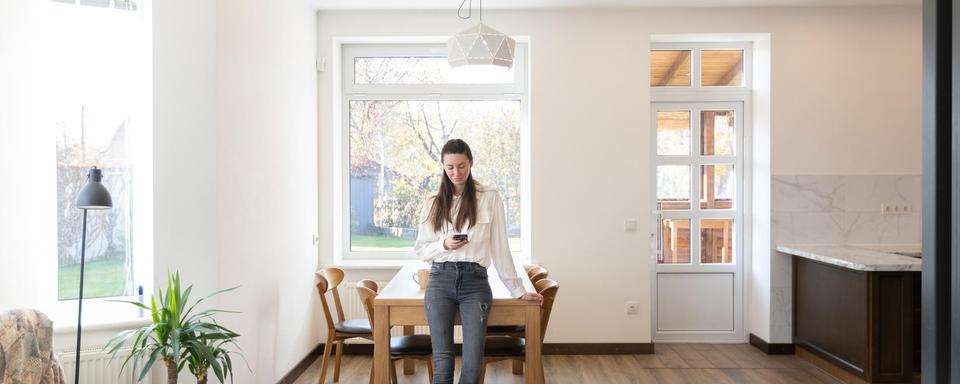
(834, 210)
(845, 209)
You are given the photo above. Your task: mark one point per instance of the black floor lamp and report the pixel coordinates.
(93, 196)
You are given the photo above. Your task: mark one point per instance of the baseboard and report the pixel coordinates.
(771, 349)
(828, 367)
(598, 349)
(302, 366)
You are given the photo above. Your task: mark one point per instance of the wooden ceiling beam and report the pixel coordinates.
(674, 68)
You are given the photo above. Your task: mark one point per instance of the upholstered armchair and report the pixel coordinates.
(26, 349)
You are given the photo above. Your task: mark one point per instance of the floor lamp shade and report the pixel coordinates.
(94, 195)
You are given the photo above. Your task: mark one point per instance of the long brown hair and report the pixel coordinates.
(440, 212)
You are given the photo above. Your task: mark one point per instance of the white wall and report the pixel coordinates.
(845, 86)
(235, 184)
(266, 180)
(28, 194)
(185, 142)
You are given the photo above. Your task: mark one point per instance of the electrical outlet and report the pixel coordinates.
(895, 209)
(633, 308)
(630, 225)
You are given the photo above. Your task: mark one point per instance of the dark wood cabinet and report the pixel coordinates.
(863, 322)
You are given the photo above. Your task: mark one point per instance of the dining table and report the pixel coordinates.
(400, 303)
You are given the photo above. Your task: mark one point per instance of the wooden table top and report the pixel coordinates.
(403, 290)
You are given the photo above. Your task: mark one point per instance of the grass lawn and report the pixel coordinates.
(102, 278)
(380, 243)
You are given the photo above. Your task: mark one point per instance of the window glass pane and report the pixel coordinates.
(716, 241)
(673, 133)
(91, 110)
(718, 184)
(395, 156)
(425, 70)
(718, 133)
(669, 68)
(674, 241)
(721, 67)
(673, 186)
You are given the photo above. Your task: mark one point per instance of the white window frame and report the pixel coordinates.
(104, 310)
(346, 91)
(695, 92)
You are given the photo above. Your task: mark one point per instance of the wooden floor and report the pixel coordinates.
(672, 363)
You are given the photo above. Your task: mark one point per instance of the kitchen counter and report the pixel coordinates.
(859, 258)
(858, 308)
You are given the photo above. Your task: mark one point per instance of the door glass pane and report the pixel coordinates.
(721, 68)
(673, 133)
(717, 186)
(674, 241)
(670, 68)
(673, 186)
(716, 241)
(718, 134)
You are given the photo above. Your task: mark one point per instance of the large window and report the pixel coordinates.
(98, 110)
(401, 103)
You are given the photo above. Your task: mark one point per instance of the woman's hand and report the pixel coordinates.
(450, 244)
(532, 296)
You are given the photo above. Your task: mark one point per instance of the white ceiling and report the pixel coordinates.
(543, 4)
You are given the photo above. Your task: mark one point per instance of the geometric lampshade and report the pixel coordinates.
(481, 45)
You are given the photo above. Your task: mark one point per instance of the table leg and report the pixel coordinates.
(381, 344)
(409, 365)
(534, 358)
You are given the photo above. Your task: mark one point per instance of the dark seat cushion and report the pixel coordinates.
(413, 345)
(354, 326)
(505, 329)
(505, 346)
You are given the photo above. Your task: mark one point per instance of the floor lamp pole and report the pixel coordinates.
(93, 195)
(83, 249)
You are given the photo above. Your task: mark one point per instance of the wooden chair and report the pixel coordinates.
(512, 347)
(328, 279)
(416, 347)
(534, 273)
(537, 273)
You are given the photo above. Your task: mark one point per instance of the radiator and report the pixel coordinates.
(353, 309)
(99, 367)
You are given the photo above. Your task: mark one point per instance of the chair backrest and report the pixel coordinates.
(529, 267)
(328, 279)
(548, 289)
(534, 269)
(538, 273)
(368, 289)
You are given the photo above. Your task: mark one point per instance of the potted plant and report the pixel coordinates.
(177, 334)
(204, 353)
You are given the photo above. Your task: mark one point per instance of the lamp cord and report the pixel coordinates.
(469, 4)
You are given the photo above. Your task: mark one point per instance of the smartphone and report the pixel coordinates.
(460, 237)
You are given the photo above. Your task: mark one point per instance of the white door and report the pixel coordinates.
(698, 247)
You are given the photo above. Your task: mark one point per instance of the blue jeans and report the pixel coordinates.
(453, 286)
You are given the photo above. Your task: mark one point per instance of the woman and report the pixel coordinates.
(458, 275)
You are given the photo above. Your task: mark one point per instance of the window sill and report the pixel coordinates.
(98, 314)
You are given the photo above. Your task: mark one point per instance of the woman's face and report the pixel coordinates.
(457, 166)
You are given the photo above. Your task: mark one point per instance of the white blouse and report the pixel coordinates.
(487, 238)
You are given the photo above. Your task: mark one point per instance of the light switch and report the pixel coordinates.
(630, 225)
